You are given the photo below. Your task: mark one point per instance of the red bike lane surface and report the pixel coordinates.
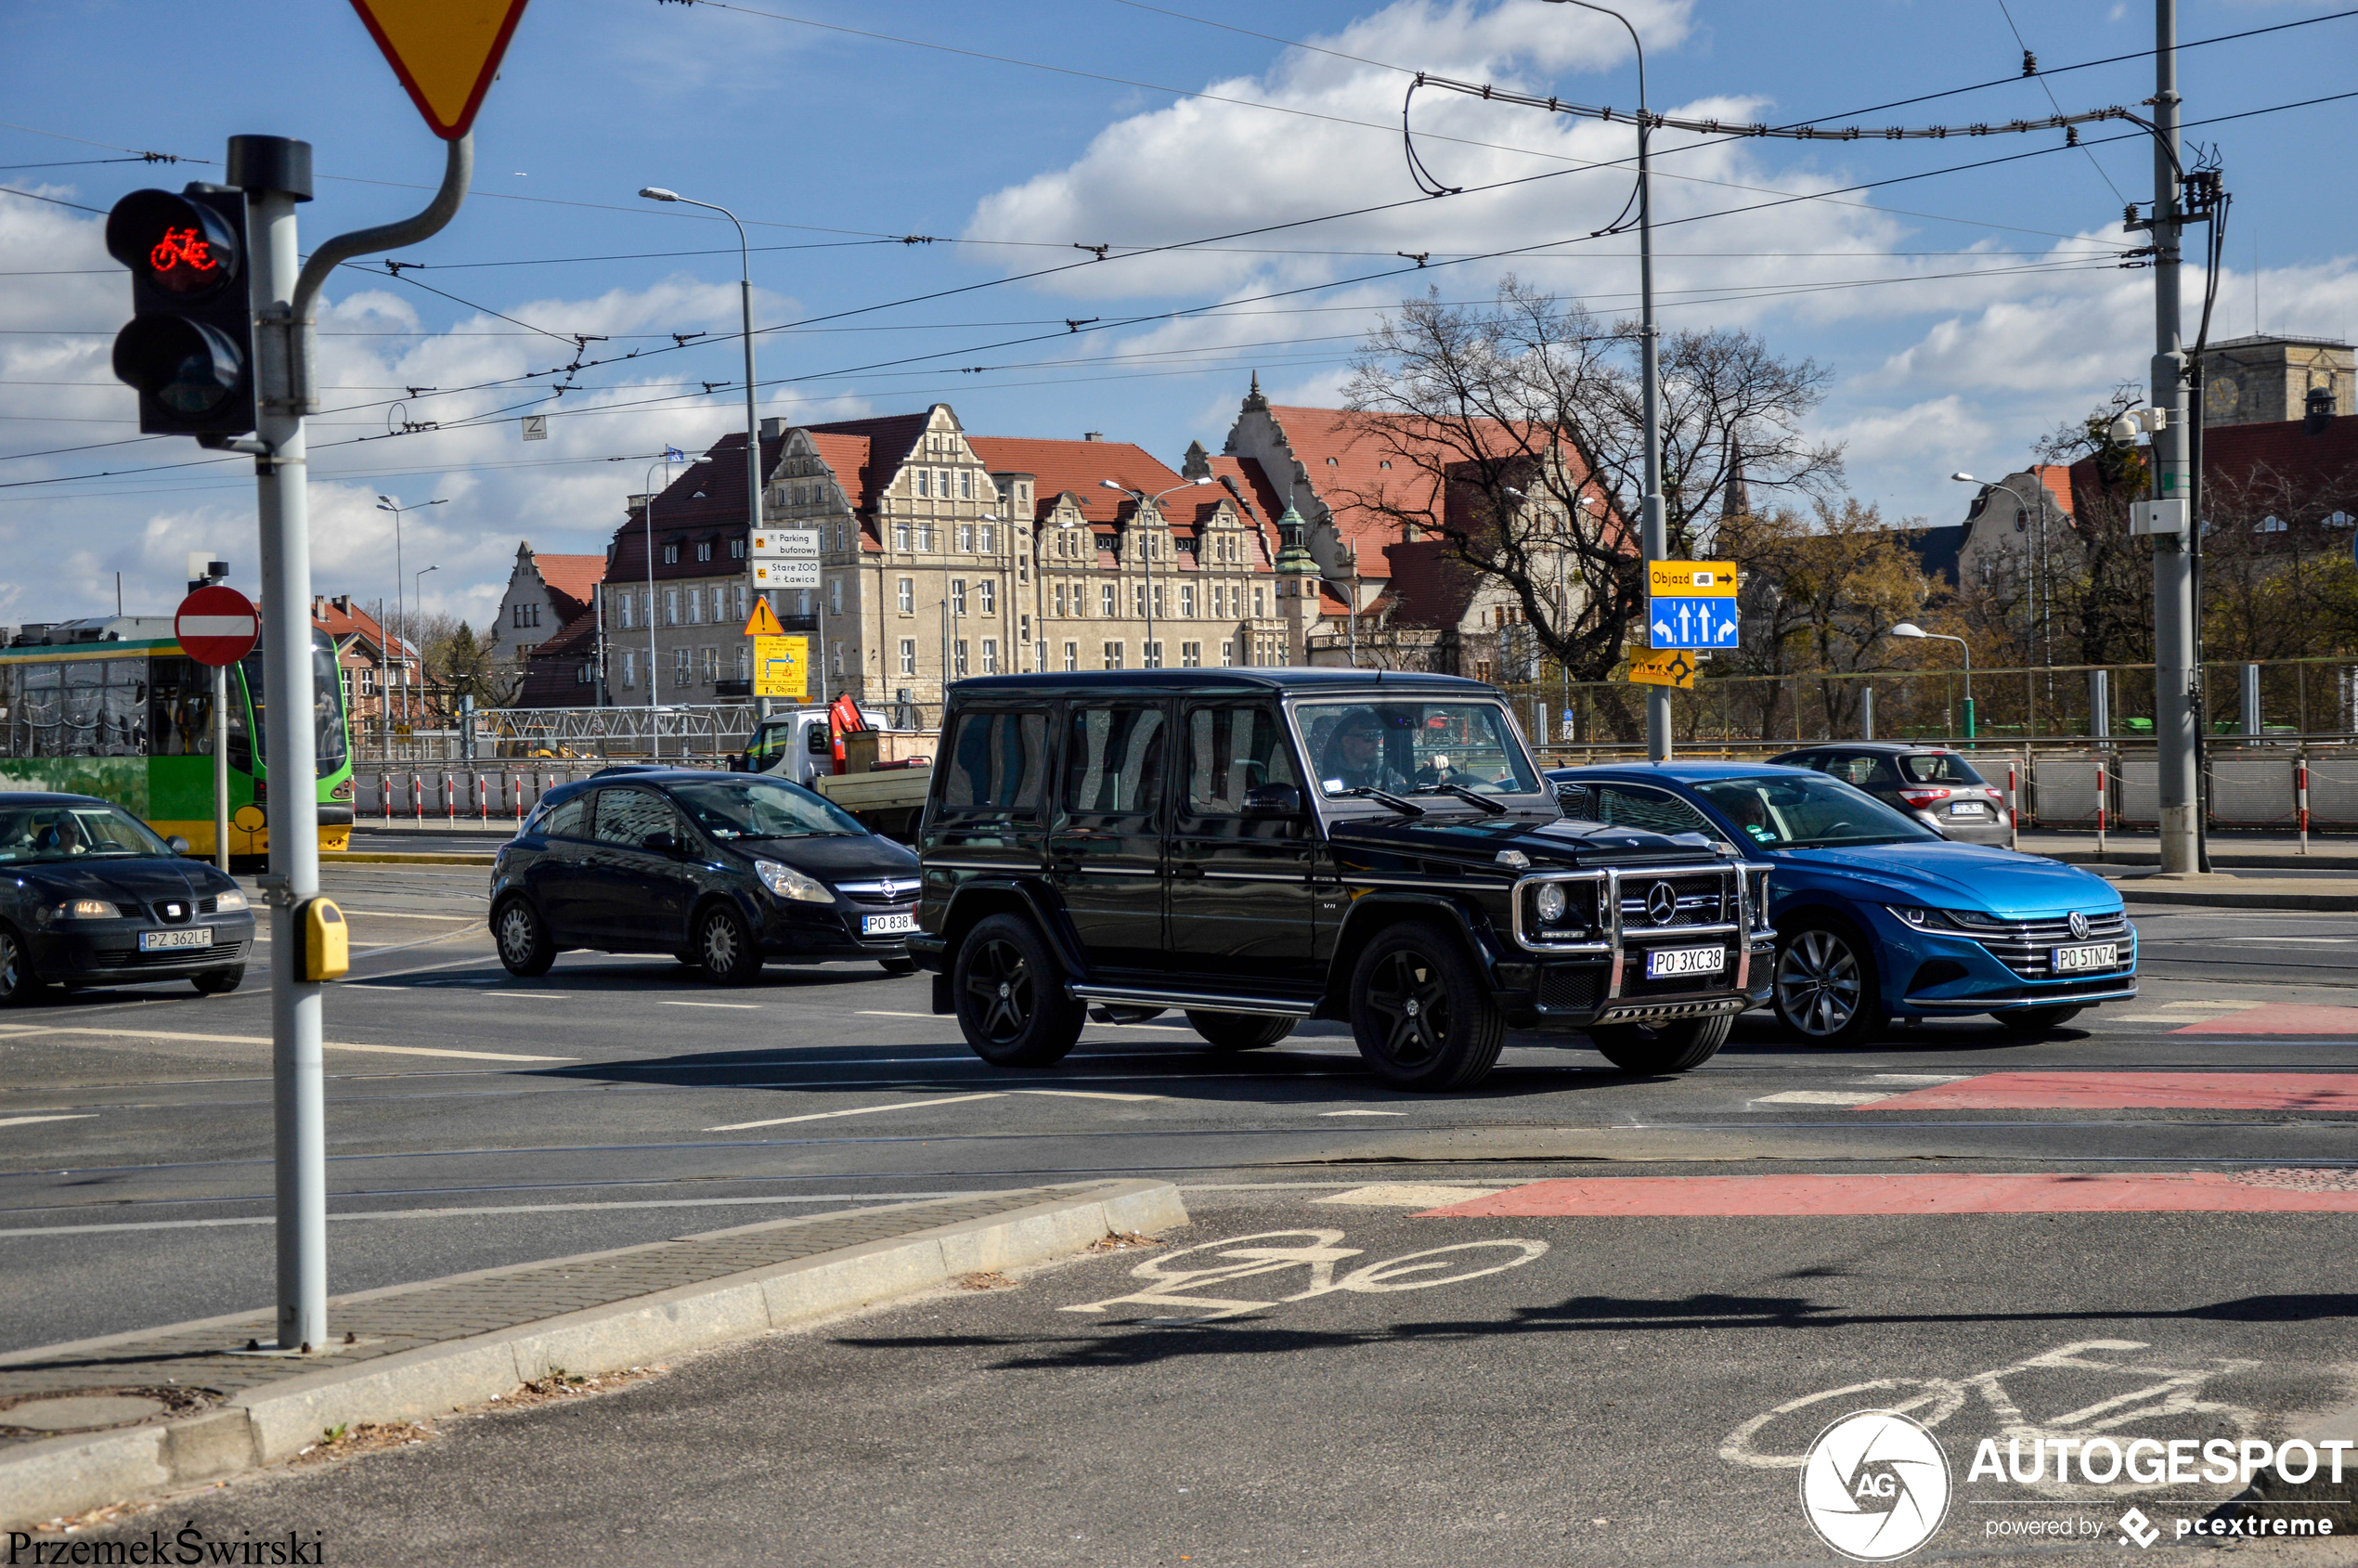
(2278, 1191)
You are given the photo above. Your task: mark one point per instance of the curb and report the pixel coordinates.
(391, 857)
(2132, 894)
(52, 1477)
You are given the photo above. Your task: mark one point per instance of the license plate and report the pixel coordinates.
(1664, 964)
(2095, 955)
(166, 941)
(885, 924)
(1968, 808)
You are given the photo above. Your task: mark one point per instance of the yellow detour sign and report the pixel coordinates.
(763, 622)
(1672, 666)
(1691, 579)
(445, 51)
(780, 665)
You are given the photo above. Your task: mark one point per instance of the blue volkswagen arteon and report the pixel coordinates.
(1877, 917)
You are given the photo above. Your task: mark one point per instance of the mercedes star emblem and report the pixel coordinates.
(1662, 903)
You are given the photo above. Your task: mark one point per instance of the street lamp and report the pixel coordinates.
(401, 622)
(1145, 550)
(655, 734)
(753, 423)
(2042, 604)
(417, 602)
(1909, 629)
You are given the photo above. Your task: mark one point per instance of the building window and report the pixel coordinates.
(1158, 599)
(744, 603)
(923, 478)
(990, 655)
(711, 666)
(1227, 653)
(941, 485)
(1040, 656)
(1113, 655)
(671, 606)
(703, 550)
(838, 659)
(990, 537)
(967, 488)
(925, 537)
(1058, 600)
(695, 607)
(630, 670)
(1106, 601)
(1482, 669)
(367, 681)
(736, 550)
(908, 655)
(907, 595)
(1151, 655)
(1190, 655)
(1023, 628)
(988, 591)
(624, 606)
(1072, 655)
(744, 662)
(901, 537)
(958, 596)
(1187, 601)
(1260, 601)
(681, 666)
(1138, 599)
(671, 555)
(835, 597)
(966, 536)
(961, 666)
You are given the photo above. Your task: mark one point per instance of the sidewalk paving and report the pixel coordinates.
(193, 1401)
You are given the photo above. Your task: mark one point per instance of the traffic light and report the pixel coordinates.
(190, 346)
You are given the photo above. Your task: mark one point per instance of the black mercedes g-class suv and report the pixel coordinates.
(1256, 846)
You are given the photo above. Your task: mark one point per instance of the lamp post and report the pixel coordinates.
(1654, 534)
(654, 735)
(1146, 551)
(1909, 629)
(416, 603)
(401, 620)
(2042, 600)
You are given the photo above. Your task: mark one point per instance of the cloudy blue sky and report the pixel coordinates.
(1962, 313)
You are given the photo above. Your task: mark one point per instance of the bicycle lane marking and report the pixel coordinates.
(1315, 1251)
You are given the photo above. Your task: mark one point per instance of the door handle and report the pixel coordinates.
(1188, 872)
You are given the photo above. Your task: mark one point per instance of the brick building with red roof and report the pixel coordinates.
(545, 593)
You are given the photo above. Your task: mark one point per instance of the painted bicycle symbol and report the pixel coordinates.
(182, 247)
(2158, 1392)
(1269, 1253)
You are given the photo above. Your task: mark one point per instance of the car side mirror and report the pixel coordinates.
(1272, 802)
(660, 844)
(177, 844)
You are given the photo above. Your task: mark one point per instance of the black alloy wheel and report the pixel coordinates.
(1238, 1031)
(1420, 1012)
(522, 936)
(1010, 995)
(19, 986)
(724, 947)
(217, 982)
(2037, 1020)
(1670, 1046)
(1825, 986)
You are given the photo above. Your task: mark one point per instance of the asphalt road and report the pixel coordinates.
(476, 1119)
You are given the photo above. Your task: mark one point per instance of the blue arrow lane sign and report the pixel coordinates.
(1691, 623)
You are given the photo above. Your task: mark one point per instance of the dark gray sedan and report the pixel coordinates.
(90, 896)
(1931, 784)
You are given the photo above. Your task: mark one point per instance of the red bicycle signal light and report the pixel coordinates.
(190, 346)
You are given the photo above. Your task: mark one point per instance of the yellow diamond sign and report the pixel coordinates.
(445, 51)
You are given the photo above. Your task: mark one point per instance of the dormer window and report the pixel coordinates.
(736, 550)
(671, 555)
(703, 550)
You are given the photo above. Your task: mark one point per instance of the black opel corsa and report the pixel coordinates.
(89, 896)
(723, 871)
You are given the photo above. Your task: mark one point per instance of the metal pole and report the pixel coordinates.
(655, 734)
(2176, 677)
(221, 768)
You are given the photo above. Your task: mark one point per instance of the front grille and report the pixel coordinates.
(2022, 945)
(209, 904)
(131, 958)
(1565, 988)
(1703, 900)
(889, 890)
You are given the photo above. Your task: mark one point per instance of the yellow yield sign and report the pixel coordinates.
(1672, 666)
(445, 51)
(781, 666)
(1691, 579)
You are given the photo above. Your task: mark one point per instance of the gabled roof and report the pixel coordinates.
(347, 621)
(847, 459)
(552, 678)
(573, 578)
(1081, 467)
(883, 445)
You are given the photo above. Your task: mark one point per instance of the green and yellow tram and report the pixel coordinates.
(114, 708)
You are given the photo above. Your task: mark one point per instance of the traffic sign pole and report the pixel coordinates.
(221, 768)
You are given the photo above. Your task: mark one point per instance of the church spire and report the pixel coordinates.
(1254, 402)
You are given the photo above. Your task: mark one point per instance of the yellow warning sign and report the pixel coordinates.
(763, 622)
(1691, 579)
(445, 51)
(780, 665)
(1672, 666)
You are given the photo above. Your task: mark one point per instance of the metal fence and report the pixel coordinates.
(566, 733)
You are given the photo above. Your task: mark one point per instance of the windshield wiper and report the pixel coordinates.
(1462, 793)
(1408, 809)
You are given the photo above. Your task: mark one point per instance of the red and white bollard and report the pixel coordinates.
(385, 796)
(482, 799)
(2104, 803)
(2014, 819)
(417, 799)
(450, 798)
(514, 786)
(2301, 799)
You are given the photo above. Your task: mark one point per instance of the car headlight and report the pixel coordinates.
(84, 909)
(1922, 919)
(788, 883)
(1551, 901)
(230, 901)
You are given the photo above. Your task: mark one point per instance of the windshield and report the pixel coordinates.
(761, 808)
(34, 833)
(1407, 748)
(327, 706)
(1937, 768)
(1808, 811)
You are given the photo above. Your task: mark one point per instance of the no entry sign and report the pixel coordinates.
(217, 625)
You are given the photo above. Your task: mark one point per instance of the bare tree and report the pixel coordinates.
(1820, 596)
(1515, 434)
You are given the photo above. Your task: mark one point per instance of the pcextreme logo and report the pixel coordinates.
(1875, 1486)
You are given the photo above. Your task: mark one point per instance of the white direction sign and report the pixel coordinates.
(801, 573)
(774, 544)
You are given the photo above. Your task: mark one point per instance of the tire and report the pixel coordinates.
(20, 987)
(217, 982)
(1009, 993)
(899, 965)
(523, 936)
(724, 950)
(2037, 1020)
(1825, 986)
(1420, 1012)
(1238, 1031)
(1671, 1046)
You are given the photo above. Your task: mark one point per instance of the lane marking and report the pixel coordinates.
(264, 1040)
(1087, 1094)
(2136, 1091)
(1823, 1097)
(1407, 1195)
(2281, 1018)
(517, 995)
(1363, 1113)
(947, 1018)
(1799, 1197)
(28, 1121)
(879, 1013)
(497, 1209)
(861, 1110)
(738, 1006)
(2332, 942)
(1918, 1077)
